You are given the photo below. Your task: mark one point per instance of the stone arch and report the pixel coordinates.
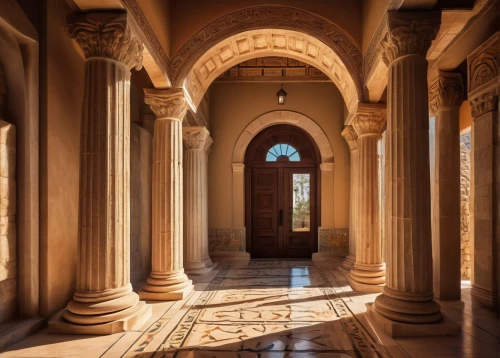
(268, 31)
(283, 117)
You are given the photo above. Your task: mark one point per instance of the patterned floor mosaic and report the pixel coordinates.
(264, 309)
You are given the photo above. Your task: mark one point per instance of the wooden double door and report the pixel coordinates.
(283, 212)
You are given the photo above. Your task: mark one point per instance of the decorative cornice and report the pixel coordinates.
(350, 137)
(155, 48)
(484, 102)
(370, 119)
(446, 91)
(196, 138)
(273, 17)
(409, 33)
(167, 104)
(106, 34)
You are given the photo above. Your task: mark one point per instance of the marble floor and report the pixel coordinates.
(270, 308)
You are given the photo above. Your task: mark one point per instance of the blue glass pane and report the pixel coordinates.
(282, 149)
(295, 157)
(270, 157)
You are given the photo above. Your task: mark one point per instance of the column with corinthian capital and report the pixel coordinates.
(197, 141)
(104, 302)
(167, 280)
(368, 273)
(484, 94)
(351, 138)
(407, 304)
(445, 98)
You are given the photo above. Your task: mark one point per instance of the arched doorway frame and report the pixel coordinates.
(255, 127)
(269, 30)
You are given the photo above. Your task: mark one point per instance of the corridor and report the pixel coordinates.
(270, 308)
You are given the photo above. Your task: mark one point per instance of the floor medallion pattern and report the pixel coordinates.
(267, 309)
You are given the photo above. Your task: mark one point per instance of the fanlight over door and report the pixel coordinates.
(281, 193)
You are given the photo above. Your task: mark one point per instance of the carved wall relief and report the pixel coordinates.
(227, 240)
(333, 241)
(465, 241)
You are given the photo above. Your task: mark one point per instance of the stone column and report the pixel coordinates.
(445, 98)
(368, 273)
(484, 87)
(197, 141)
(351, 138)
(167, 280)
(104, 302)
(408, 296)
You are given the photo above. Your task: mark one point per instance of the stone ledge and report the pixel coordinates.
(445, 327)
(230, 255)
(13, 332)
(58, 325)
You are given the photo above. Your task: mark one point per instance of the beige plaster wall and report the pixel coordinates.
(61, 88)
(234, 106)
(465, 117)
(187, 17)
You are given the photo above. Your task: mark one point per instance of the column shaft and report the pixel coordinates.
(167, 280)
(197, 143)
(445, 97)
(104, 302)
(368, 273)
(408, 295)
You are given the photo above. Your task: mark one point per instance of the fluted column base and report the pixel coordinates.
(349, 262)
(166, 287)
(367, 277)
(100, 313)
(199, 267)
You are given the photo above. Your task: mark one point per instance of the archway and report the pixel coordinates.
(282, 165)
(268, 31)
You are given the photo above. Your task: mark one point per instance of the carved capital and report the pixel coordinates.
(369, 119)
(197, 138)
(351, 137)
(409, 33)
(167, 104)
(106, 34)
(446, 91)
(484, 102)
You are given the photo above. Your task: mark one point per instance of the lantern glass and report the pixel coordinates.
(281, 96)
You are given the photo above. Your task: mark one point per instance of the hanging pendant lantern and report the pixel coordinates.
(281, 96)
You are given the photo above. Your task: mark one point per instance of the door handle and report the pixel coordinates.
(280, 217)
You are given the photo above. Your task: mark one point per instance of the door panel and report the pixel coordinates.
(265, 213)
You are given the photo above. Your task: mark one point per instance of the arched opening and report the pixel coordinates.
(282, 207)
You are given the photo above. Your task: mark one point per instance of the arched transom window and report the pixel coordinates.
(283, 153)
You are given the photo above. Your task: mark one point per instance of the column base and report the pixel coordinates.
(367, 277)
(349, 262)
(59, 325)
(364, 287)
(166, 286)
(444, 327)
(200, 270)
(484, 297)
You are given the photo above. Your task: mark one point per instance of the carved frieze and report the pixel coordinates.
(197, 138)
(106, 34)
(484, 102)
(333, 241)
(409, 33)
(351, 137)
(465, 229)
(227, 240)
(369, 119)
(272, 17)
(484, 63)
(169, 103)
(446, 91)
